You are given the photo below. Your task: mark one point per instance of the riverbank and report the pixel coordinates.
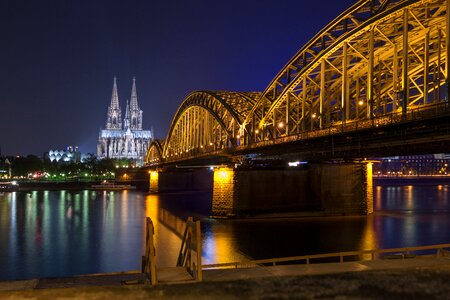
(54, 185)
(38, 185)
(416, 278)
(410, 180)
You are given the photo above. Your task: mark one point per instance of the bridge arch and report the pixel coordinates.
(155, 152)
(376, 58)
(207, 121)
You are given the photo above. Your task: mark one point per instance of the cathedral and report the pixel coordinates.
(124, 139)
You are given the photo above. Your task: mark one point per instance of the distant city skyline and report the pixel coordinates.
(58, 59)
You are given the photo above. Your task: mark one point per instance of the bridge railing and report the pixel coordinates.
(402, 253)
(190, 255)
(149, 260)
(413, 114)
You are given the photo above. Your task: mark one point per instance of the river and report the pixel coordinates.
(63, 233)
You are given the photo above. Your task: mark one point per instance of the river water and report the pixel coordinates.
(62, 233)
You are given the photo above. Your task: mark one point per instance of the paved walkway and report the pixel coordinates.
(326, 268)
(414, 278)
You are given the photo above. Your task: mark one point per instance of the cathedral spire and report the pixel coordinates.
(133, 102)
(114, 118)
(135, 112)
(114, 96)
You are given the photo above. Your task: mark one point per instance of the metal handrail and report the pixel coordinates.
(149, 261)
(341, 255)
(191, 232)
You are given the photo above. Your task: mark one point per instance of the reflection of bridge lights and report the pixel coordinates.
(201, 146)
(210, 144)
(238, 137)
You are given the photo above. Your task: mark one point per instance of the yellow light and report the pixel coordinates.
(210, 144)
(361, 102)
(280, 125)
(223, 175)
(314, 115)
(256, 131)
(154, 181)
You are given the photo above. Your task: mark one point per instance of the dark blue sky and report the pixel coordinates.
(58, 59)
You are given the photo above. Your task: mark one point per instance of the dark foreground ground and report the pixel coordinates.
(417, 283)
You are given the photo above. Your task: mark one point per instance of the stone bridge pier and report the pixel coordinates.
(325, 188)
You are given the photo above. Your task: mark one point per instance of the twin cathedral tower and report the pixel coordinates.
(124, 139)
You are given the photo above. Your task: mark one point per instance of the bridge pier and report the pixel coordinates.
(154, 181)
(170, 180)
(330, 189)
(319, 188)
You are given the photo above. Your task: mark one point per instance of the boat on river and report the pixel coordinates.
(111, 186)
(9, 186)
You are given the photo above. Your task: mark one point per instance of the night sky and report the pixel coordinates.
(58, 59)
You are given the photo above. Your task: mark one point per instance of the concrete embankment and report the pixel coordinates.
(55, 185)
(416, 278)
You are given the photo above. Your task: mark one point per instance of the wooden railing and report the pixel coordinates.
(190, 255)
(373, 254)
(148, 261)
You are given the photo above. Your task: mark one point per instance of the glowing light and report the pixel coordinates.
(256, 131)
(314, 115)
(210, 144)
(297, 163)
(369, 187)
(360, 102)
(280, 125)
(154, 176)
(223, 175)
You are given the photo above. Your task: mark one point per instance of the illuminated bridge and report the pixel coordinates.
(373, 82)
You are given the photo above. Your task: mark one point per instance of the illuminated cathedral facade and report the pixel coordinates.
(124, 138)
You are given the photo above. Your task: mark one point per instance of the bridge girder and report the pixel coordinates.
(378, 58)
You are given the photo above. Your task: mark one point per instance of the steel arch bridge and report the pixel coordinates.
(379, 58)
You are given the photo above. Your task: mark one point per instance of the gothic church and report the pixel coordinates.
(124, 139)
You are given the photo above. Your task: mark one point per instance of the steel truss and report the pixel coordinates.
(376, 58)
(206, 122)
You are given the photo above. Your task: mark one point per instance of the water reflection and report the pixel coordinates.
(46, 233)
(58, 233)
